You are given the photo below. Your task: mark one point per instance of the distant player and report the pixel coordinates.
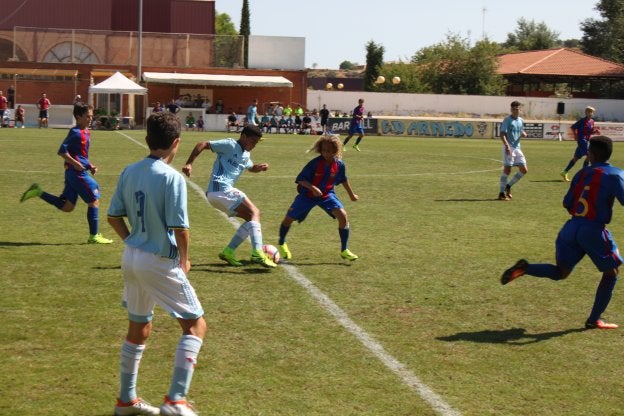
(512, 129)
(583, 129)
(78, 183)
(324, 113)
(252, 113)
(316, 187)
(589, 201)
(44, 109)
(357, 125)
(233, 158)
(155, 265)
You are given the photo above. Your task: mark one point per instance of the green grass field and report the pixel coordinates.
(419, 325)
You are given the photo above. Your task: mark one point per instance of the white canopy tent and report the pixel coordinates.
(117, 83)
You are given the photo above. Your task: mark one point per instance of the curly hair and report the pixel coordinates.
(334, 141)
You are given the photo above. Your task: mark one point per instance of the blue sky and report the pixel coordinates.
(336, 31)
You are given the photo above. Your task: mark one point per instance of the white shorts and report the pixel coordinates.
(149, 280)
(515, 158)
(226, 201)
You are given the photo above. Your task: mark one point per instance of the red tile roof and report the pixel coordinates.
(558, 62)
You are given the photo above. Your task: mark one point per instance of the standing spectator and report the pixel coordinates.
(77, 99)
(583, 129)
(357, 125)
(44, 108)
(252, 112)
(287, 110)
(172, 107)
(512, 130)
(219, 107)
(11, 96)
(3, 108)
(271, 110)
(158, 108)
(589, 201)
(20, 115)
(234, 158)
(75, 152)
(324, 113)
(155, 265)
(279, 111)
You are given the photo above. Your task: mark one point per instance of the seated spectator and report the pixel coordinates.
(158, 108)
(20, 115)
(306, 124)
(283, 125)
(219, 107)
(200, 123)
(265, 124)
(273, 125)
(233, 123)
(190, 122)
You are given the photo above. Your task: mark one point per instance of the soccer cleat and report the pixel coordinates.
(177, 408)
(508, 192)
(356, 147)
(564, 176)
(137, 406)
(98, 239)
(600, 324)
(32, 192)
(228, 255)
(284, 251)
(502, 197)
(347, 255)
(515, 271)
(258, 257)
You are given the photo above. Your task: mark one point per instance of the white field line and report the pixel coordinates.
(394, 365)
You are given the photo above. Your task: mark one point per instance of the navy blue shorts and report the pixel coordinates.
(578, 238)
(80, 184)
(302, 205)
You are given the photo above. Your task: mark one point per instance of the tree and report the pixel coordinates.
(530, 36)
(245, 30)
(347, 65)
(374, 61)
(454, 67)
(224, 25)
(408, 75)
(604, 38)
(227, 44)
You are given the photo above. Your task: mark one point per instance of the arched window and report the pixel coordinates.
(62, 52)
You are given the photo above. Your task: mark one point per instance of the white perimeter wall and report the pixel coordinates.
(477, 106)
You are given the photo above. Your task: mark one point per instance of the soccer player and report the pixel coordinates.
(590, 203)
(75, 151)
(233, 158)
(583, 129)
(44, 108)
(357, 125)
(316, 187)
(155, 265)
(324, 113)
(252, 112)
(512, 129)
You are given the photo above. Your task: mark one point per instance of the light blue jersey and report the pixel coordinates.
(513, 127)
(232, 160)
(140, 193)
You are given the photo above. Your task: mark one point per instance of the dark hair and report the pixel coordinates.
(80, 109)
(252, 131)
(162, 129)
(601, 148)
(515, 104)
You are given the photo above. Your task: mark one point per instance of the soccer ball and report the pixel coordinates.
(272, 253)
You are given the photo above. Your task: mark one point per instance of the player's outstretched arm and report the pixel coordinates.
(188, 166)
(261, 167)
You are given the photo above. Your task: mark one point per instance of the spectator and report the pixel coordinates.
(219, 107)
(232, 122)
(3, 107)
(11, 97)
(158, 108)
(200, 123)
(44, 106)
(279, 110)
(324, 117)
(172, 107)
(20, 115)
(190, 122)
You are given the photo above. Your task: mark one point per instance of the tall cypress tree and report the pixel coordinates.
(245, 31)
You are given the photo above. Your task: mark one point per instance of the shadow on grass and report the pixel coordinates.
(513, 336)
(247, 268)
(33, 243)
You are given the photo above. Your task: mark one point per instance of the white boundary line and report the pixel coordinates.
(395, 366)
